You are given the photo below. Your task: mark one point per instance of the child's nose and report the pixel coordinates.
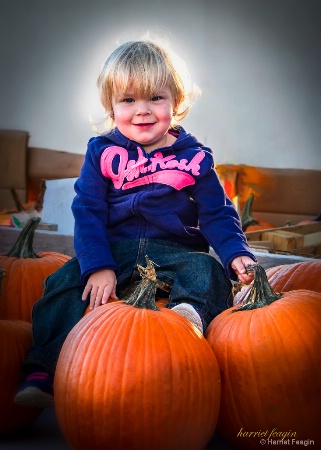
(142, 108)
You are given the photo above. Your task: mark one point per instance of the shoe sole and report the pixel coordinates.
(32, 396)
(190, 315)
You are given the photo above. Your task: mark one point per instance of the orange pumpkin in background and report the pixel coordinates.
(25, 273)
(301, 275)
(15, 340)
(259, 225)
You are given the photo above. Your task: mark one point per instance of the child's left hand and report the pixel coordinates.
(239, 266)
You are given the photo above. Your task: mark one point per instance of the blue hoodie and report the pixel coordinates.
(172, 193)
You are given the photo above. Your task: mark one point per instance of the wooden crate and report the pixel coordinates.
(302, 239)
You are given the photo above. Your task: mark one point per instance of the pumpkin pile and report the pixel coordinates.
(25, 273)
(269, 355)
(134, 376)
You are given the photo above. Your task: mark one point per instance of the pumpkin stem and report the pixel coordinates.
(247, 219)
(261, 293)
(23, 246)
(144, 295)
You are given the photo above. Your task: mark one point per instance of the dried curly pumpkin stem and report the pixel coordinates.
(144, 294)
(261, 293)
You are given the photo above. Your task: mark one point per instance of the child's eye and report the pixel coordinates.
(156, 97)
(128, 100)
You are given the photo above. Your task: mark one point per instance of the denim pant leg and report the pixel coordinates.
(196, 277)
(55, 314)
(201, 282)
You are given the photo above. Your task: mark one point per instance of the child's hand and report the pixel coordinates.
(100, 285)
(239, 266)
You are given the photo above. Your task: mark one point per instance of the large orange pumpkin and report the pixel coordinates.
(131, 376)
(25, 273)
(269, 354)
(15, 340)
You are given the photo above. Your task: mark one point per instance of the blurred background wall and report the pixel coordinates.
(258, 63)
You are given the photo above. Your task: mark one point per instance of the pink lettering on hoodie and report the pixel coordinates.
(133, 173)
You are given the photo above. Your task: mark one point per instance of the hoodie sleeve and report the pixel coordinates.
(90, 210)
(219, 221)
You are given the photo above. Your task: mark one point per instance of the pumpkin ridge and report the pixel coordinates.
(140, 333)
(276, 331)
(306, 344)
(257, 368)
(307, 317)
(107, 366)
(255, 321)
(150, 359)
(229, 369)
(293, 275)
(288, 357)
(187, 349)
(160, 324)
(117, 333)
(168, 350)
(135, 334)
(231, 377)
(149, 362)
(94, 319)
(224, 359)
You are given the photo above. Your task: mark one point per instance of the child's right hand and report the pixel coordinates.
(100, 286)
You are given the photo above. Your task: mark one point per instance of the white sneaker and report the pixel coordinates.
(186, 310)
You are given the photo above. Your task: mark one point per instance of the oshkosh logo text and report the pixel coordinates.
(173, 173)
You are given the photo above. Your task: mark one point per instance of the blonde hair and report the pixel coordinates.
(146, 66)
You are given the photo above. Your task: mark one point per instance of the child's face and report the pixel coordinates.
(144, 120)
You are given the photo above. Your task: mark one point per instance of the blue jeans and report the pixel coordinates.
(195, 277)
